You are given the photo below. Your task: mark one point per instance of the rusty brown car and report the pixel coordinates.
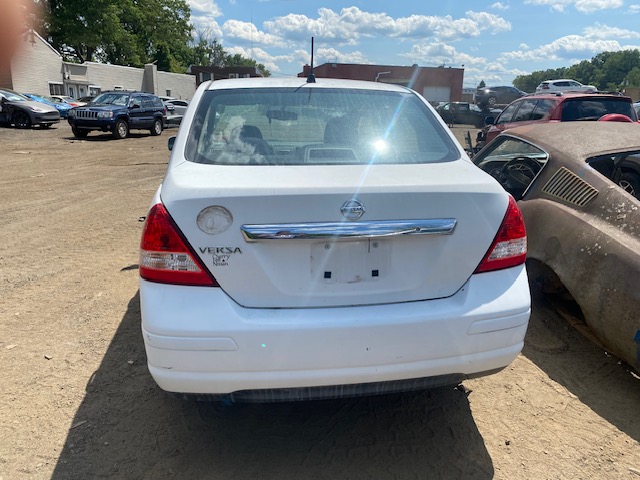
(577, 185)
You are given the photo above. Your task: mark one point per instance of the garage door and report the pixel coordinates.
(437, 94)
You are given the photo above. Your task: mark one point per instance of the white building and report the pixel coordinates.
(39, 69)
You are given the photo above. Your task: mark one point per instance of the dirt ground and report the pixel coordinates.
(77, 402)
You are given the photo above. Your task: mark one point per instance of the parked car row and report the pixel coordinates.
(62, 107)
(504, 95)
(560, 107)
(176, 109)
(117, 112)
(331, 238)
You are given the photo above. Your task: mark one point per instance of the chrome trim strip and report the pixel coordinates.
(370, 229)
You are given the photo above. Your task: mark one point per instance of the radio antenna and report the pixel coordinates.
(311, 78)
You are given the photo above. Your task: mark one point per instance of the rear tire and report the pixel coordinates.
(120, 130)
(156, 128)
(79, 132)
(21, 119)
(491, 101)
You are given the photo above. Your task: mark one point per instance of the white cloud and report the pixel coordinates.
(440, 54)
(351, 24)
(204, 13)
(568, 48)
(332, 55)
(604, 31)
(247, 32)
(500, 6)
(489, 22)
(583, 6)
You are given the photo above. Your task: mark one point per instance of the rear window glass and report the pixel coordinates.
(315, 126)
(593, 109)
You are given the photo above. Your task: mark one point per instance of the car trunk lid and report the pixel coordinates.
(336, 235)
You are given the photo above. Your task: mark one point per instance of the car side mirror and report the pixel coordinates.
(488, 120)
(171, 142)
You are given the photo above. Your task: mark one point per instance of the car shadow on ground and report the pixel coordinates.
(126, 427)
(107, 136)
(601, 381)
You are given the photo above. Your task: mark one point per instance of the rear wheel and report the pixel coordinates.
(156, 128)
(79, 132)
(21, 119)
(121, 129)
(630, 182)
(491, 101)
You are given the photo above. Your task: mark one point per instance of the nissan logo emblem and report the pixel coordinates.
(352, 209)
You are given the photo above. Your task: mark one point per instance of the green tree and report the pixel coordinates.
(238, 60)
(607, 71)
(482, 84)
(125, 32)
(583, 72)
(204, 49)
(633, 77)
(615, 69)
(78, 28)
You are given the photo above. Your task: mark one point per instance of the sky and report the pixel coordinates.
(492, 41)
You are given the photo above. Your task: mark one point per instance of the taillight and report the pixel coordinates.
(165, 256)
(509, 248)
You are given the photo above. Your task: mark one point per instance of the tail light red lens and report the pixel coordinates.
(509, 248)
(165, 256)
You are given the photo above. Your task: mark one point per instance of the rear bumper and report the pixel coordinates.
(199, 341)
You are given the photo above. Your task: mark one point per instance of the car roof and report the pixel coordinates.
(561, 80)
(556, 95)
(581, 139)
(259, 82)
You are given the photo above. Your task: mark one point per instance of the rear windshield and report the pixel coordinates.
(593, 109)
(315, 126)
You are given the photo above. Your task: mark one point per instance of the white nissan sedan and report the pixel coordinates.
(316, 239)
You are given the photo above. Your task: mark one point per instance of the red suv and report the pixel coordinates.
(559, 107)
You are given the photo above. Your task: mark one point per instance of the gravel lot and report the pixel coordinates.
(77, 402)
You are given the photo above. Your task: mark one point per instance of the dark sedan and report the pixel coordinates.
(577, 186)
(464, 113)
(22, 112)
(502, 95)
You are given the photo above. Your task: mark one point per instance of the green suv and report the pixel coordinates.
(119, 112)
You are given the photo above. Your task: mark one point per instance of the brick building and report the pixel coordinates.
(436, 84)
